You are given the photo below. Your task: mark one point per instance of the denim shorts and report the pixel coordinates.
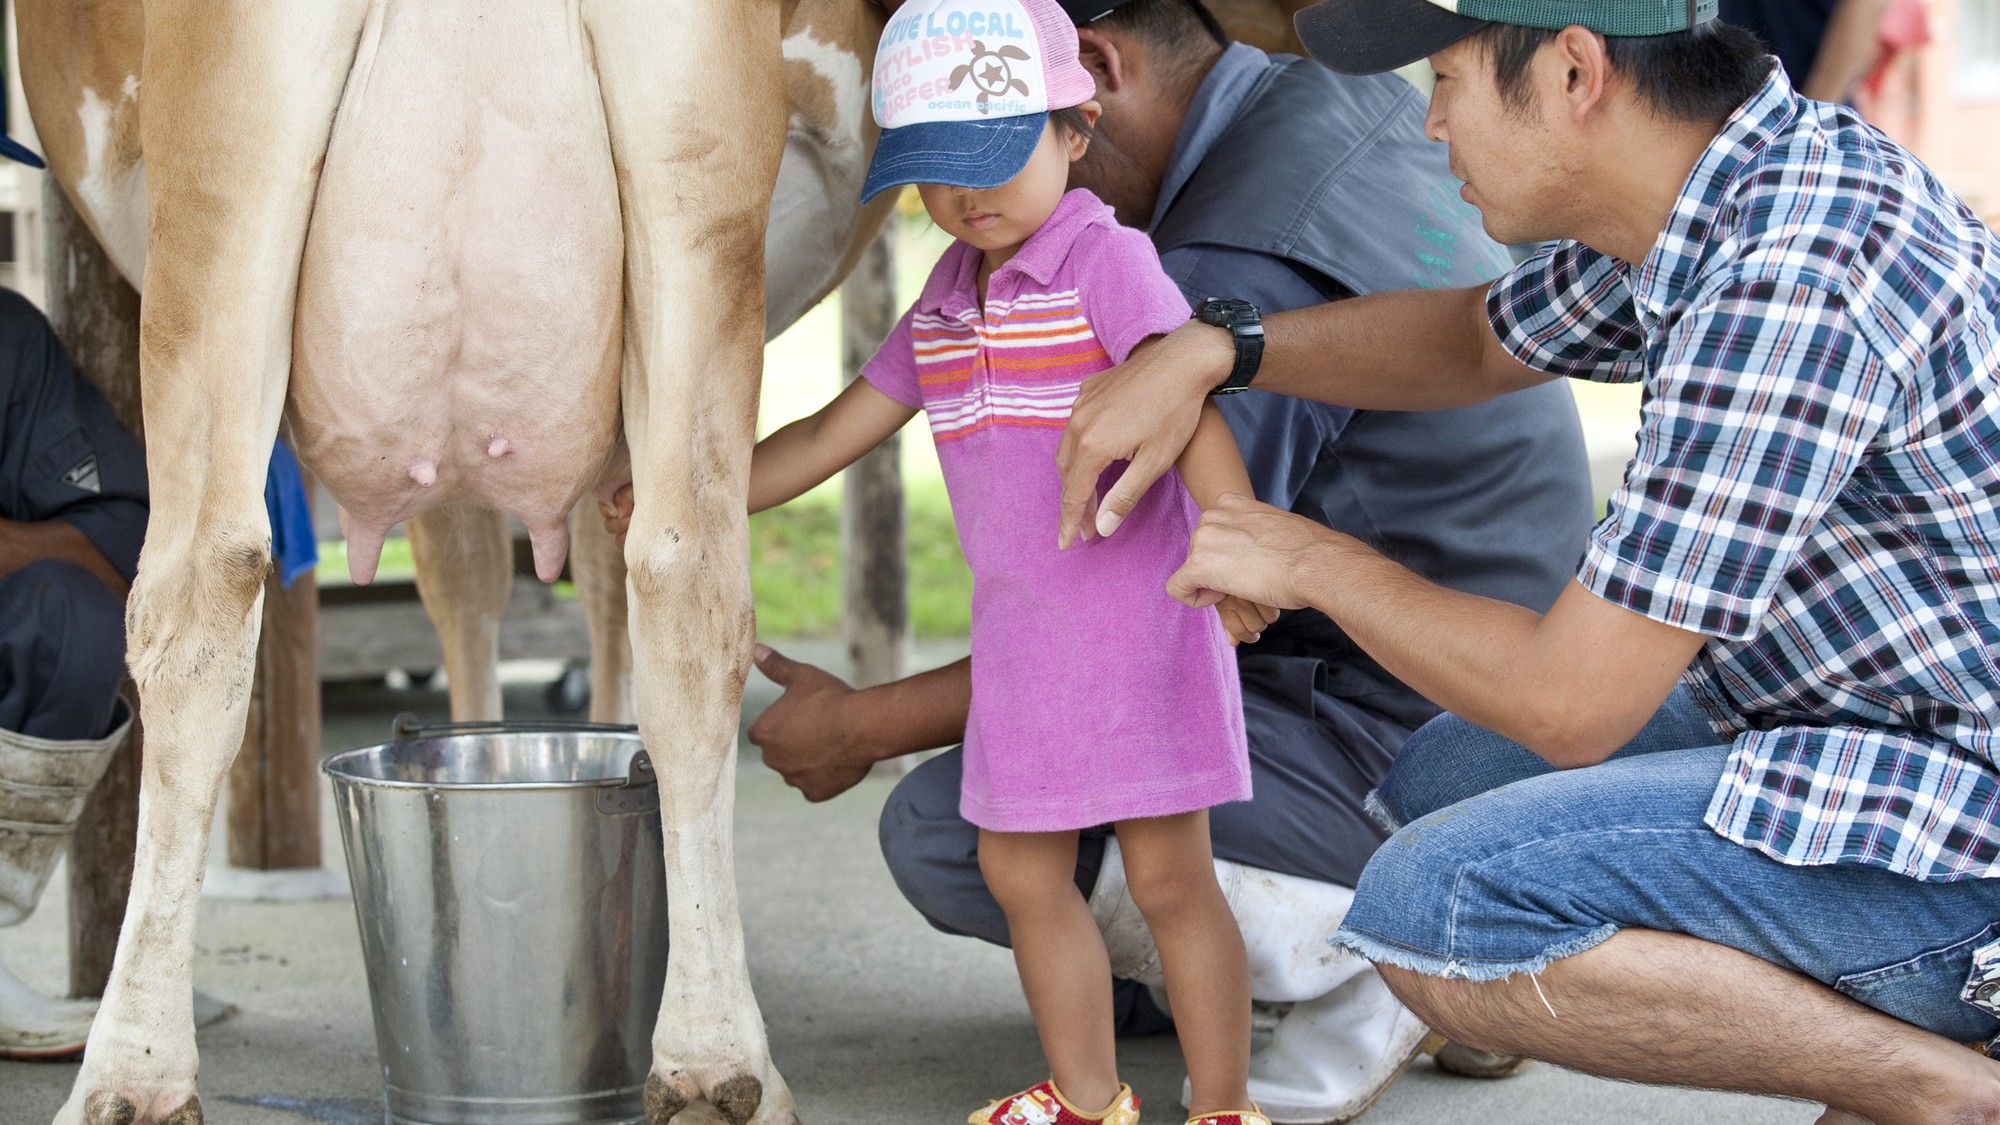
(1504, 864)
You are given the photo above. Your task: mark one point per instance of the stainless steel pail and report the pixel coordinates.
(511, 891)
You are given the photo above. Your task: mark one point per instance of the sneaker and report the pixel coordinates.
(1250, 1116)
(1043, 1104)
(1471, 1062)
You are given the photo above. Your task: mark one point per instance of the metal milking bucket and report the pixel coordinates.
(510, 885)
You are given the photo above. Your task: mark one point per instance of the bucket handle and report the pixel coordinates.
(640, 792)
(407, 726)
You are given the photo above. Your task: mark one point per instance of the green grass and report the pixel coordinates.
(795, 569)
(796, 574)
(396, 565)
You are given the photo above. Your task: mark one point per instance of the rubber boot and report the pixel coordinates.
(32, 1026)
(1345, 1039)
(43, 785)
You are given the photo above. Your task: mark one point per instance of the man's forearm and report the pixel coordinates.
(1560, 683)
(22, 543)
(1418, 349)
(919, 712)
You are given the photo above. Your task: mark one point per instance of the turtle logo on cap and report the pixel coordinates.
(991, 72)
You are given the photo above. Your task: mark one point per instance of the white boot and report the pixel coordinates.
(32, 1026)
(43, 784)
(1346, 1037)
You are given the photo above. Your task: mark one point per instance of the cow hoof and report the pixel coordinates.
(664, 1100)
(108, 1108)
(736, 1098)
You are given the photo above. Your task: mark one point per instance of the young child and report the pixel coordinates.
(1096, 697)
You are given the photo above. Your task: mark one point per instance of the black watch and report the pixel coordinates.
(1246, 328)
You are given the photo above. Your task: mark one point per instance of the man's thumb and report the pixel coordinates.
(776, 666)
(1125, 494)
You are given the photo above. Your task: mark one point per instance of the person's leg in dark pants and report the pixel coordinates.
(62, 652)
(62, 658)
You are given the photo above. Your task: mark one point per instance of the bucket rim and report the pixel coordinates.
(332, 767)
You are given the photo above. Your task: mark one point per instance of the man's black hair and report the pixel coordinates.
(1170, 26)
(1698, 75)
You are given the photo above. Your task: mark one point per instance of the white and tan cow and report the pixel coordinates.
(458, 247)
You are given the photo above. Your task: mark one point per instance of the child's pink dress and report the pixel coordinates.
(1095, 696)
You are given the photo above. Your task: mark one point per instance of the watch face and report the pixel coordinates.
(1222, 311)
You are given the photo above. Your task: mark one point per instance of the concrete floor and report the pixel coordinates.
(874, 1017)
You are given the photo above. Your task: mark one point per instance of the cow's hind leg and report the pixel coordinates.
(239, 99)
(465, 570)
(598, 568)
(697, 138)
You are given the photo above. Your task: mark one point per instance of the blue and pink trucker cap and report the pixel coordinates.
(963, 89)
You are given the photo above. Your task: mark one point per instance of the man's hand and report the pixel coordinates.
(802, 735)
(1142, 411)
(1249, 550)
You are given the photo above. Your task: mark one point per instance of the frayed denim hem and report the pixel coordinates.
(1379, 951)
(1379, 812)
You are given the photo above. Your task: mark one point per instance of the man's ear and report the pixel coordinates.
(1102, 58)
(1585, 66)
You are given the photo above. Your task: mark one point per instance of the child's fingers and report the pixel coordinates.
(1239, 621)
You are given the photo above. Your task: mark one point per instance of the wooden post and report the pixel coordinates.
(871, 514)
(96, 315)
(274, 782)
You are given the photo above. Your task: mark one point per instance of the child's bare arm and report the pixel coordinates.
(1212, 466)
(810, 450)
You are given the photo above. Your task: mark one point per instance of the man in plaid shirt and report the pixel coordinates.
(1728, 815)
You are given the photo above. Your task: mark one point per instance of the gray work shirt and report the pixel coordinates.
(1279, 189)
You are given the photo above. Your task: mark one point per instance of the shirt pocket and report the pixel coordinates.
(49, 486)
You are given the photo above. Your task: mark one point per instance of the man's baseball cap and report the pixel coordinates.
(1084, 11)
(963, 90)
(1371, 36)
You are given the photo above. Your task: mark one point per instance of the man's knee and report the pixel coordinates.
(933, 853)
(921, 817)
(1455, 1009)
(68, 631)
(1446, 761)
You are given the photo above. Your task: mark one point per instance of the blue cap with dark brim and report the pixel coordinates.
(968, 154)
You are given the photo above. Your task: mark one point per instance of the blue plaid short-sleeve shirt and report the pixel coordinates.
(1816, 480)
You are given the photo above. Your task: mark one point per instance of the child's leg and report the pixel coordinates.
(1060, 954)
(1171, 873)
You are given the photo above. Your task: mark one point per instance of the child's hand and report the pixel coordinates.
(617, 512)
(1245, 620)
